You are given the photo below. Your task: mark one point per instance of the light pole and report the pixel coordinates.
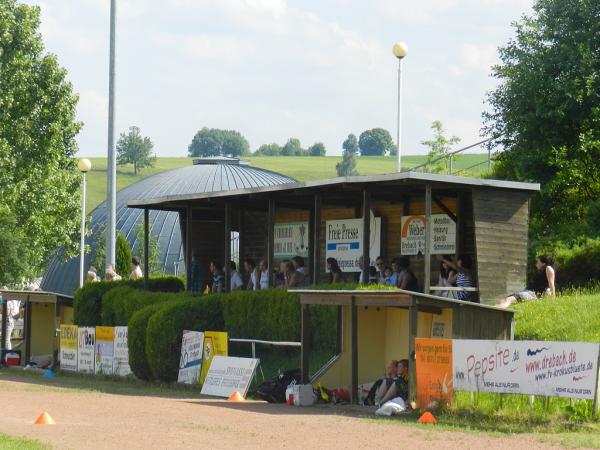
(400, 50)
(111, 179)
(84, 165)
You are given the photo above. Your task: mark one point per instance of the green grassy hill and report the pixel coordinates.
(301, 168)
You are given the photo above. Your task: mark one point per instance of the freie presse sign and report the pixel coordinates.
(442, 240)
(344, 242)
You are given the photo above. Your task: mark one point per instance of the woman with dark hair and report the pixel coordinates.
(446, 274)
(406, 279)
(542, 283)
(293, 277)
(335, 273)
(254, 275)
(463, 275)
(218, 284)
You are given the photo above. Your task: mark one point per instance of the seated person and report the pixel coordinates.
(381, 386)
(387, 276)
(400, 386)
(463, 276)
(542, 283)
(406, 278)
(373, 275)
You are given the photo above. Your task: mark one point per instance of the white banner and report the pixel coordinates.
(290, 239)
(68, 347)
(442, 240)
(558, 369)
(121, 356)
(105, 350)
(344, 242)
(85, 349)
(190, 362)
(228, 374)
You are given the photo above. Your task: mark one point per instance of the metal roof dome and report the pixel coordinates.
(202, 176)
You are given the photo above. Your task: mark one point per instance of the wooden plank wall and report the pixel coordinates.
(501, 220)
(207, 240)
(480, 323)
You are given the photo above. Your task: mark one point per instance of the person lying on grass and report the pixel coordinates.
(541, 285)
(400, 386)
(381, 386)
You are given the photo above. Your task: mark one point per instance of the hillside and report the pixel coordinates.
(301, 168)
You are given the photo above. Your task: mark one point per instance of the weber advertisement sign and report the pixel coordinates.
(290, 239)
(85, 349)
(344, 242)
(442, 240)
(190, 362)
(560, 369)
(68, 347)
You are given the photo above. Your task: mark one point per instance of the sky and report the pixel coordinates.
(275, 69)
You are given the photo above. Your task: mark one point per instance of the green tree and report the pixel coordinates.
(545, 111)
(375, 142)
(351, 144)
(153, 250)
(317, 149)
(216, 142)
(39, 184)
(133, 148)
(347, 166)
(439, 146)
(13, 251)
(269, 150)
(123, 256)
(292, 147)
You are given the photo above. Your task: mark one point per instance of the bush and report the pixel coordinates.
(136, 341)
(122, 255)
(165, 327)
(113, 303)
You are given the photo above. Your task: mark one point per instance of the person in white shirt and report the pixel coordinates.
(264, 274)
(236, 277)
(14, 310)
(136, 272)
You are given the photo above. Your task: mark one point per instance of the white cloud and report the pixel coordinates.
(204, 48)
(478, 57)
(92, 106)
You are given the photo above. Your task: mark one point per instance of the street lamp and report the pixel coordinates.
(84, 165)
(400, 50)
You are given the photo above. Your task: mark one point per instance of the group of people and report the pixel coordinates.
(112, 275)
(394, 384)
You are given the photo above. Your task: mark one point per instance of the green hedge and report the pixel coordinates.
(165, 329)
(119, 304)
(88, 299)
(136, 341)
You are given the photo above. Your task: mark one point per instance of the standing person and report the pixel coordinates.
(406, 278)
(380, 265)
(197, 280)
(254, 278)
(279, 274)
(373, 275)
(542, 283)
(464, 276)
(293, 278)
(446, 274)
(14, 311)
(263, 268)
(236, 277)
(335, 273)
(136, 272)
(300, 267)
(392, 279)
(361, 266)
(218, 277)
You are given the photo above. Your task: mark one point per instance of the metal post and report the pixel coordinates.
(427, 277)
(450, 164)
(146, 248)
(413, 324)
(111, 168)
(82, 242)
(366, 239)
(399, 124)
(306, 344)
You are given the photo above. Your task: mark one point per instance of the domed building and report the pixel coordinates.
(204, 176)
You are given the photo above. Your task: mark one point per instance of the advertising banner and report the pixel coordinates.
(105, 350)
(290, 239)
(434, 370)
(68, 347)
(228, 375)
(558, 369)
(344, 242)
(85, 349)
(215, 343)
(190, 361)
(121, 356)
(442, 240)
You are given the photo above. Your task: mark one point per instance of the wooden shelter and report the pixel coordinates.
(490, 219)
(375, 327)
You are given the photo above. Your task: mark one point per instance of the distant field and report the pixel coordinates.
(301, 168)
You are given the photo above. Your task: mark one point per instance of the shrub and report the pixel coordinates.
(136, 341)
(165, 327)
(113, 302)
(122, 255)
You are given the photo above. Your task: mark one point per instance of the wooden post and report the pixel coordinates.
(227, 250)
(316, 240)
(146, 251)
(427, 265)
(354, 356)
(4, 313)
(188, 249)
(366, 239)
(413, 317)
(270, 239)
(27, 331)
(305, 349)
(241, 238)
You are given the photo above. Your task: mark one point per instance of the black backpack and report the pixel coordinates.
(273, 390)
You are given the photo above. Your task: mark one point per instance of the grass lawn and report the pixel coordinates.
(11, 443)
(301, 168)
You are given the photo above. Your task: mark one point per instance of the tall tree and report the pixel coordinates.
(133, 148)
(545, 111)
(218, 142)
(269, 150)
(317, 149)
(351, 144)
(39, 184)
(439, 146)
(375, 142)
(292, 147)
(13, 251)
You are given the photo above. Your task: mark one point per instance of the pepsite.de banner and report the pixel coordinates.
(560, 369)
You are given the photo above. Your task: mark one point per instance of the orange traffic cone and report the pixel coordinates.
(236, 397)
(427, 417)
(44, 419)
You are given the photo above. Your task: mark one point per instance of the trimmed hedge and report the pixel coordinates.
(165, 327)
(88, 299)
(119, 304)
(136, 341)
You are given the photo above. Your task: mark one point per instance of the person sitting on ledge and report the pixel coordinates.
(381, 386)
(400, 386)
(463, 276)
(542, 283)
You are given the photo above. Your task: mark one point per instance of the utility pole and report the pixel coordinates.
(111, 186)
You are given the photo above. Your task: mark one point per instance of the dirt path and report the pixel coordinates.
(107, 421)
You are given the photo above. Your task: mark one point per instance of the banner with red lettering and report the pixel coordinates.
(559, 369)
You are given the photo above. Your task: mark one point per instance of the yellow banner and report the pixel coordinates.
(68, 337)
(105, 334)
(215, 343)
